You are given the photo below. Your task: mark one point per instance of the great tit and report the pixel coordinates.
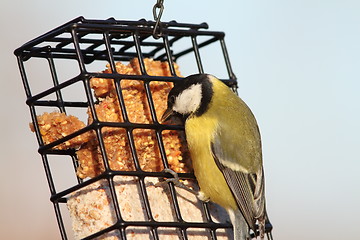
(225, 148)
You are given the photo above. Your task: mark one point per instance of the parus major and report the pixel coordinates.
(225, 148)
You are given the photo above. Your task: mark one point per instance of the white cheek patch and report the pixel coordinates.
(189, 100)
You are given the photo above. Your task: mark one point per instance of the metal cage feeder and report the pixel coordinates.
(89, 45)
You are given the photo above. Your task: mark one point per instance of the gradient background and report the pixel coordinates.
(298, 66)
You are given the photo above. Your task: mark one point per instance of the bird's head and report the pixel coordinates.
(189, 97)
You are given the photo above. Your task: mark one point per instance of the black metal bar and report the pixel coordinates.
(134, 155)
(208, 218)
(176, 224)
(197, 54)
(59, 98)
(51, 103)
(109, 52)
(54, 89)
(114, 197)
(227, 59)
(121, 100)
(143, 192)
(173, 195)
(169, 55)
(147, 31)
(24, 77)
(48, 35)
(80, 58)
(149, 215)
(138, 173)
(192, 49)
(60, 220)
(75, 165)
(139, 54)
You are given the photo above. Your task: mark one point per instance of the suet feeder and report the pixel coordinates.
(71, 59)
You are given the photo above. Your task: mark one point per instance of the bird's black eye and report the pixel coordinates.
(172, 99)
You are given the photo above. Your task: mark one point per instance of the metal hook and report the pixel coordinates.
(158, 5)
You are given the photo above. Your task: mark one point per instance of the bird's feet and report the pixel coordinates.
(202, 197)
(176, 181)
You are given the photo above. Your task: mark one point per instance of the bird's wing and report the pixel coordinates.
(247, 187)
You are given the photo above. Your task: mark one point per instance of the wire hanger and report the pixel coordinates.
(159, 6)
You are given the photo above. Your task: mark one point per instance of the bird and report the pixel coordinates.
(225, 148)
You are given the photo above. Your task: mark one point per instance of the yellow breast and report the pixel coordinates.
(210, 179)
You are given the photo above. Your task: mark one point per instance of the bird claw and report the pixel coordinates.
(176, 181)
(201, 196)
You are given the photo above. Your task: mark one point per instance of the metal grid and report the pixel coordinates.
(90, 41)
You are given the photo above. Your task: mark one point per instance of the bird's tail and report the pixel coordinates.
(264, 228)
(241, 228)
(268, 228)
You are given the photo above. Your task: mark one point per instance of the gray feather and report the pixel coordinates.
(247, 188)
(241, 229)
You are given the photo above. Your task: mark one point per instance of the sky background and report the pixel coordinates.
(298, 66)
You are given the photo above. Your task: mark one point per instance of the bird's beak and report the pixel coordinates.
(167, 115)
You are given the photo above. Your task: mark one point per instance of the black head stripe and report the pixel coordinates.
(206, 89)
(207, 93)
(181, 85)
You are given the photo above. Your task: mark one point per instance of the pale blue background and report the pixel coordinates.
(298, 68)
